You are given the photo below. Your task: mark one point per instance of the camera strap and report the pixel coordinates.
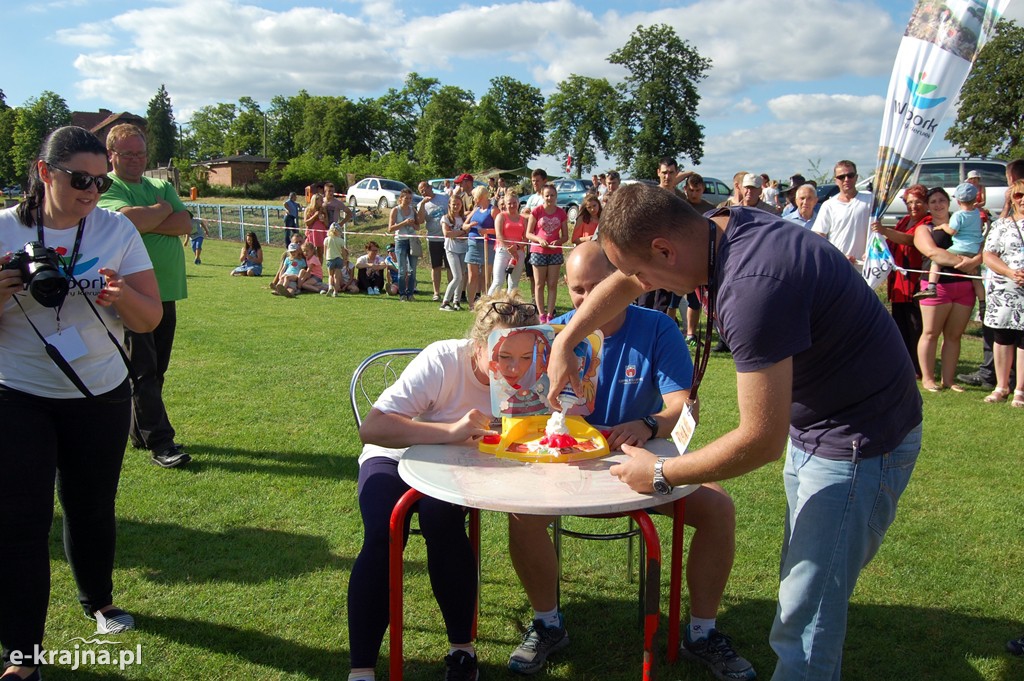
(51, 350)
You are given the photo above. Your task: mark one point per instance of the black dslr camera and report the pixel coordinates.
(40, 273)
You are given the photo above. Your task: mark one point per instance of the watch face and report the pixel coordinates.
(662, 487)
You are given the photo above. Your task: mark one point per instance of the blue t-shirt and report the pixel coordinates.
(786, 292)
(968, 237)
(645, 359)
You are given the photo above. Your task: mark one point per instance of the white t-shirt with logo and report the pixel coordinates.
(109, 240)
(438, 386)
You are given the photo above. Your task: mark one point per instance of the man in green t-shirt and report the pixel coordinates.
(156, 211)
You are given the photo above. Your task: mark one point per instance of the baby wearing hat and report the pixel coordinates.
(965, 228)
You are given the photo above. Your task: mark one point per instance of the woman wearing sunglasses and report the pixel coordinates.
(442, 396)
(64, 388)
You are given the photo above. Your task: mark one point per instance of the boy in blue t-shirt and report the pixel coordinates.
(965, 228)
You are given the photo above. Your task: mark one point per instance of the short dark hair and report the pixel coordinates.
(844, 162)
(539, 172)
(613, 175)
(1015, 168)
(639, 213)
(667, 161)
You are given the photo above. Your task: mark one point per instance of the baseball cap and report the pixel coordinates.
(965, 192)
(974, 175)
(750, 180)
(293, 247)
(463, 177)
(795, 182)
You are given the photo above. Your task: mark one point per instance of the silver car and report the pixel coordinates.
(378, 192)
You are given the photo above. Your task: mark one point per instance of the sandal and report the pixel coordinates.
(957, 388)
(997, 395)
(1018, 399)
(933, 388)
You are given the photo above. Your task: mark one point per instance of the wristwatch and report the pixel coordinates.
(661, 485)
(652, 423)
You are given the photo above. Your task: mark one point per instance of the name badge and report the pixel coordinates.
(69, 343)
(682, 432)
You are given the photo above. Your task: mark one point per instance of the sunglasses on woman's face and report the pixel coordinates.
(82, 181)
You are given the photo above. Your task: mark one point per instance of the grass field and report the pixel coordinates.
(237, 566)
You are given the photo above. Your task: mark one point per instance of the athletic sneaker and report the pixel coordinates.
(1016, 646)
(691, 341)
(456, 308)
(539, 641)
(716, 652)
(460, 666)
(446, 307)
(198, 261)
(172, 457)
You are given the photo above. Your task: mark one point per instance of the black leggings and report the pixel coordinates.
(450, 562)
(80, 443)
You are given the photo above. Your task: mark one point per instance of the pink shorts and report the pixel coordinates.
(959, 293)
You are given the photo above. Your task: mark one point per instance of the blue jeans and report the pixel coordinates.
(837, 513)
(406, 267)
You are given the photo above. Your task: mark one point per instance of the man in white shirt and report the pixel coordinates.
(844, 218)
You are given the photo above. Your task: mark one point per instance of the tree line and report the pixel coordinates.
(425, 128)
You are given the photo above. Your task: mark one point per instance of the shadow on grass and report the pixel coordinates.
(171, 553)
(332, 466)
(252, 646)
(883, 642)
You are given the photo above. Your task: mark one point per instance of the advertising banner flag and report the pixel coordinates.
(936, 54)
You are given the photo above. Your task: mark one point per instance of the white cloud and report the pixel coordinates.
(88, 36)
(810, 107)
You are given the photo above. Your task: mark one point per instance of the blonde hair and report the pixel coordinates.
(480, 191)
(488, 320)
(333, 230)
(122, 132)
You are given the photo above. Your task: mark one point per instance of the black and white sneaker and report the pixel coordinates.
(460, 666)
(716, 652)
(172, 457)
(113, 621)
(539, 641)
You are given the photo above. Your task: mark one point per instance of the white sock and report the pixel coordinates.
(700, 628)
(468, 648)
(549, 617)
(362, 674)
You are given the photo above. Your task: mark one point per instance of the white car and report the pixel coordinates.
(379, 193)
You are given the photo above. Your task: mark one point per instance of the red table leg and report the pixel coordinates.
(675, 585)
(652, 610)
(395, 573)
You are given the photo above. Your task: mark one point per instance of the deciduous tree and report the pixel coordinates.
(990, 120)
(658, 115)
(246, 133)
(37, 118)
(209, 128)
(580, 116)
(520, 109)
(436, 138)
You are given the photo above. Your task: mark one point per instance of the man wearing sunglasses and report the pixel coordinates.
(844, 218)
(156, 211)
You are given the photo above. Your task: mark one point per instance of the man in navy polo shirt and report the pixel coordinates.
(817, 376)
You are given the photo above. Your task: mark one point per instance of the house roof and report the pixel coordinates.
(238, 158)
(95, 121)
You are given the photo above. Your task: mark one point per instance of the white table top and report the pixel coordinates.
(461, 474)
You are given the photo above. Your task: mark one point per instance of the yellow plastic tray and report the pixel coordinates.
(516, 431)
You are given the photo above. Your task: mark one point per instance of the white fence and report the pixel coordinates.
(232, 222)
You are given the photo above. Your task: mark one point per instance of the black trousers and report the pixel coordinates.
(908, 320)
(150, 354)
(79, 443)
(366, 279)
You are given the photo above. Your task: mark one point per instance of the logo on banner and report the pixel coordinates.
(919, 91)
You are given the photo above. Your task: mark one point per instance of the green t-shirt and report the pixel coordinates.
(166, 252)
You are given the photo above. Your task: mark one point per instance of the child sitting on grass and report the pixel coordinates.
(293, 267)
(346, 275)
(965, 228)
(311, 278)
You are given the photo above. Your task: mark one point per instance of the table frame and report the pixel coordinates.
(652, 607)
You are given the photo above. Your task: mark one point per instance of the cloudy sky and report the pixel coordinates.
(791, 83)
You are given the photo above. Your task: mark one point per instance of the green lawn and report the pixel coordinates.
(237, 567)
